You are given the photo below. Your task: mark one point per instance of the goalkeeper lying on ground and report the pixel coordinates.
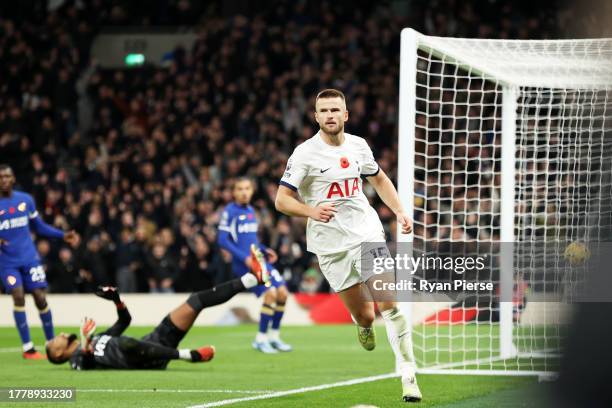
(112, 350)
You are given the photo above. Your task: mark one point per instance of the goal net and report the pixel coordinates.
(508, 143)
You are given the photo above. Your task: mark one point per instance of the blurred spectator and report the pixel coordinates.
(62, 273)
(311, 280)
(92, 265)
(161, 270)
(128, 261)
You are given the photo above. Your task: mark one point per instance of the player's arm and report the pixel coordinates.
(288, 203)
(287, 198)
(45, 230)
(123, 315)
(388, 194)
(225, 240)
(82, 360)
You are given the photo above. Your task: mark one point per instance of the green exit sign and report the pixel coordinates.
(132, 60)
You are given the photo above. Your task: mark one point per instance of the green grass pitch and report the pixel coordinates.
(323, 355)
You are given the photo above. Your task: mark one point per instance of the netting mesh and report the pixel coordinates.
(562, 192)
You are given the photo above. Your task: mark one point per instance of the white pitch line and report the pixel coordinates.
(150, 390)
(11, 350)
(297, 391)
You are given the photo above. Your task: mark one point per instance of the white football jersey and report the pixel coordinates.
(323, 173)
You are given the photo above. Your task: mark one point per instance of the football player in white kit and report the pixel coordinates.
(326, 171)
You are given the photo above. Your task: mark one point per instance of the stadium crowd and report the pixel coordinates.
(141, 161)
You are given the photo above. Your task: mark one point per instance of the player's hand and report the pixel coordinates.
(405, 222)
(109, 293)
(72, 238)
(88, 328)
(272, 255)
(323, 212)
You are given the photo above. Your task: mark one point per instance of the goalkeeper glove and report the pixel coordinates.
(88, 328)
(109, 293)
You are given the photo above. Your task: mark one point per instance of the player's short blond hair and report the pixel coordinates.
(330, 93)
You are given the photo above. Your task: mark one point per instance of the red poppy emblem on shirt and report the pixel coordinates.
(12, 210)
(250, 216)
(344, 162)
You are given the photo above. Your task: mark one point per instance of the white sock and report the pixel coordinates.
(274, 334)
(185, 354)
(400, 338)
(261, 337)
(27, 346)
(249, 280)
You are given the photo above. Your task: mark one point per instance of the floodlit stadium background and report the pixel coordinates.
(139, 158)
(128, 121)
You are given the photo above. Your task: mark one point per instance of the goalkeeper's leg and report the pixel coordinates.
(145, 353)
(183, 316)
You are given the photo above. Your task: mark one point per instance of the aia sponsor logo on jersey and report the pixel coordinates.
(347, 188)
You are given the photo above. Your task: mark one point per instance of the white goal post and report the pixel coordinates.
(503, 141)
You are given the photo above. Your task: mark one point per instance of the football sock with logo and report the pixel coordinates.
(21, 322)
(398, 333)
(47, 322)
(265, 317)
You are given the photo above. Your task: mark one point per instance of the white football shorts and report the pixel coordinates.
(348, 268)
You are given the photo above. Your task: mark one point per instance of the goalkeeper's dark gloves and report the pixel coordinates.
(109, 293)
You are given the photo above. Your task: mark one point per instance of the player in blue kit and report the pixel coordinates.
(20, 267)
(237, 231)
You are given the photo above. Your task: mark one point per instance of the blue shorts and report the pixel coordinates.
(31, 276)
(276, 279)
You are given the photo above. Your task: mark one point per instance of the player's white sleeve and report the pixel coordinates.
(295, 172)
(369, 167)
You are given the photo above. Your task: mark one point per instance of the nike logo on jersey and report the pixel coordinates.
(323, 171)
